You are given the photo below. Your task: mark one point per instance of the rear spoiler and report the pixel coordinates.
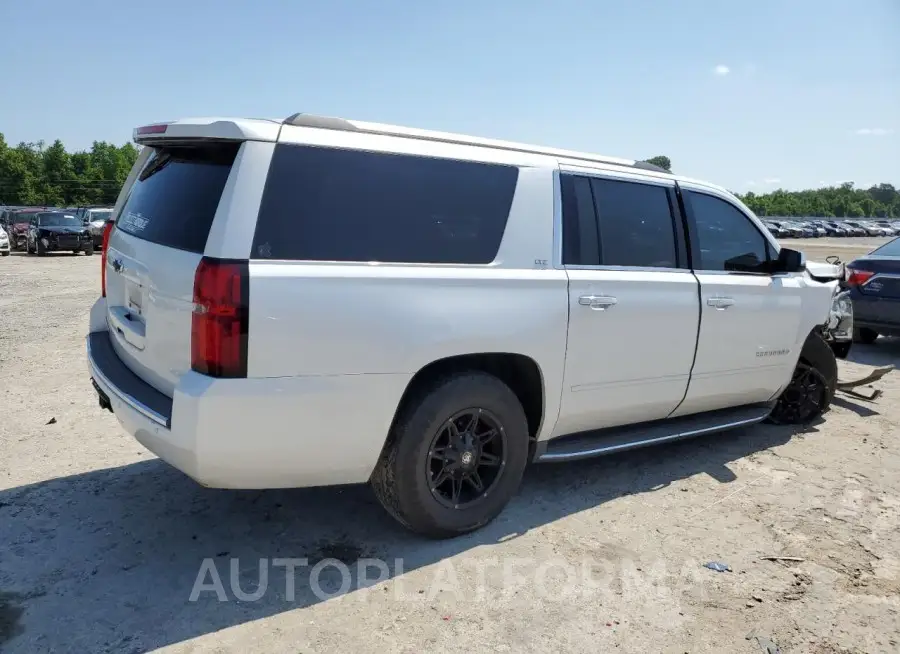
(229, 129)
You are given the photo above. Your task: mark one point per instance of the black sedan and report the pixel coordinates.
(50, 231)
(874, 282)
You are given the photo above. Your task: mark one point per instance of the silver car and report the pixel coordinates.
(97, 219)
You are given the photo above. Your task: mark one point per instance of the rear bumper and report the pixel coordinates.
(254, 433)
(877, 313)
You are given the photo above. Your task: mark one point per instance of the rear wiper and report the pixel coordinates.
(155, 166)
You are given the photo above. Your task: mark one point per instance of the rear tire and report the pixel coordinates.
(39, 247)
(864, 335)
(420, 451)
(89, 251)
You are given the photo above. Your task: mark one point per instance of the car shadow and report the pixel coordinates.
(127, 543)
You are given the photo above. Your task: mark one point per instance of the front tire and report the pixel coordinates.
(89, 251)
(864, 335)
(455, 456)
(812, 386)
(39, 248)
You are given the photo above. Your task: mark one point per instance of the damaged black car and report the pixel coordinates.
(56, 231)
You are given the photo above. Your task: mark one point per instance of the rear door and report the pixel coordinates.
(633, 302)
(750, 321)
(160, 236)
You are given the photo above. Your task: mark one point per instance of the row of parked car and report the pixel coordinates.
(819, 227)
(43, 229)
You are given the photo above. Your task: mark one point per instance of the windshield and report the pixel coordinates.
(100, 215)
(19, 218)
(57, 220)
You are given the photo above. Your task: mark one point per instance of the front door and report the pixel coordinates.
(750, 319)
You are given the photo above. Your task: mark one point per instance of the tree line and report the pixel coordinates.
(35, 174)
(842, 201)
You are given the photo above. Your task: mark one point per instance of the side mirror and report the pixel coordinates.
(790, 261)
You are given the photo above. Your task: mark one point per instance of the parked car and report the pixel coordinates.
(868, 229)
(854, 229)
(774, 229)
(789, 229)
(52, 231)
(17, 226)
(96, 220)
(4, 243)
(888, 228)
(874, 283)
(837, 229)
(397, 271)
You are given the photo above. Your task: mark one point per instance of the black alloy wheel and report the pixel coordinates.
(805, 398)
(466, 458)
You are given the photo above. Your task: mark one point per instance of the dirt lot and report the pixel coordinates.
(101, 544)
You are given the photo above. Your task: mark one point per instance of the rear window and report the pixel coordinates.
(175, 196)
(889, 249)
(324, 204)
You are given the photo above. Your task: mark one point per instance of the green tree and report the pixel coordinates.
(31, 174)
(662, 161)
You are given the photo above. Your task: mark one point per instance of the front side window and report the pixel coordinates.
(727, 238)
(636, 224)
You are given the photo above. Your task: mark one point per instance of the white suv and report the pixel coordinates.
(321, 301)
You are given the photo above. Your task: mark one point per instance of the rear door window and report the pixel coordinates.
(173, 200)
(637, 227)
(326, 204)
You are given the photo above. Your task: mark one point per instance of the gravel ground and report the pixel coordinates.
(101, 543)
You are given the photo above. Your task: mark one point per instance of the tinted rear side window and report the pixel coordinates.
(325, 204)
(174, 198)
(636, 224)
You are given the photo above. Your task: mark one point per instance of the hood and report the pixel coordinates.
(20, 228)
(825, 271)
(62, 229)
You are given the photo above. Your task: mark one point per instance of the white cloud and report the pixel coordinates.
(772, 180)
(874, 131)
(721, 70)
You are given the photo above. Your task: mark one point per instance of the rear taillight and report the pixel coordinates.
(107, 230)
(220, 317)
(858, 277)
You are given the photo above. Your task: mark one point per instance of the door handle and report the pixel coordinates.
(720, 303)
(598, 302)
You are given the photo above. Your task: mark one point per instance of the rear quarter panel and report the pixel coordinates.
(312, 319)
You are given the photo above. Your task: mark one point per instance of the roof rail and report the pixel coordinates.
(342, 124)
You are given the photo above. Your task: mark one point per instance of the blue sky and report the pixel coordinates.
(752, 95)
